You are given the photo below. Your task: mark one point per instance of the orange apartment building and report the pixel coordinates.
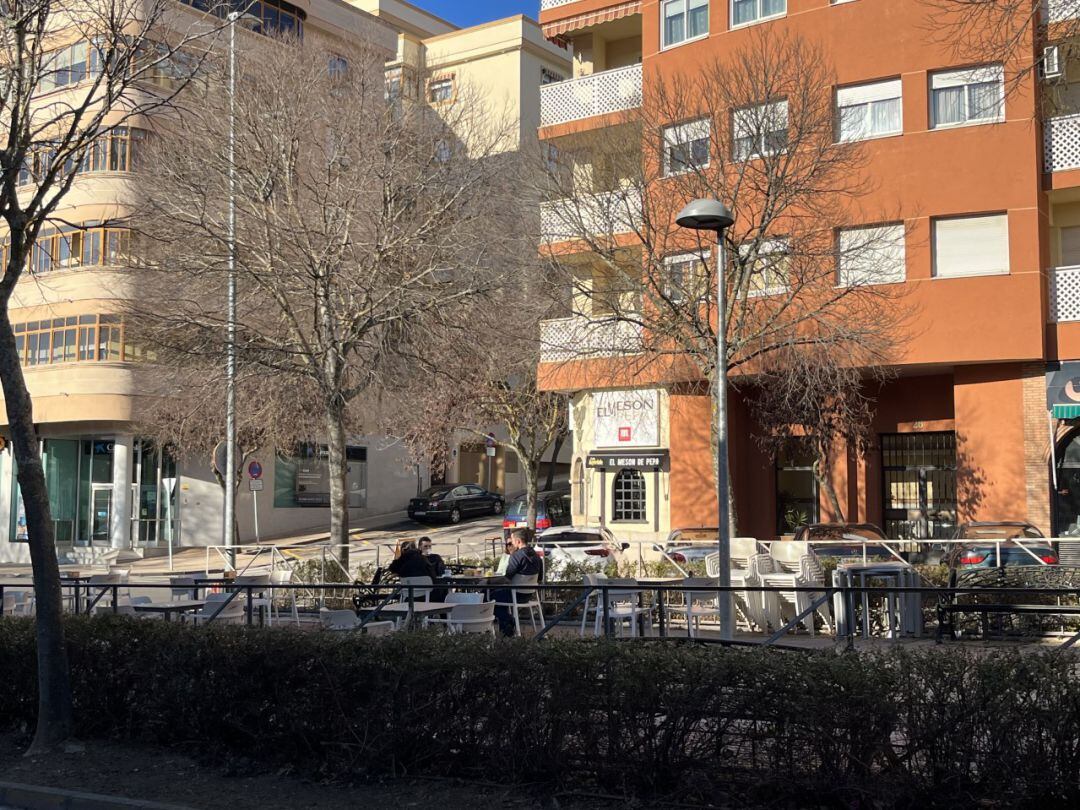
(990, 262)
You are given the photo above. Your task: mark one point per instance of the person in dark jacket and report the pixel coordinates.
(409, 562)
(524, 561)
(438, 567)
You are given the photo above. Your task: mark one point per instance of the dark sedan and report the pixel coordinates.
(452, 502)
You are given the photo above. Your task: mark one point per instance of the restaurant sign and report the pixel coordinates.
(1063, 390)
(657, 460)
(627, 418)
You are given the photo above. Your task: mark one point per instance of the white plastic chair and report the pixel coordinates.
(379, 628)
(524, 599)
(465, 598)
(699, 600)
(795, 566)
(592, 598)
(232, 613)
(623, 597)
(102, 582)
(420, 594)
(468, 617)
(282, 576)
(338, 620)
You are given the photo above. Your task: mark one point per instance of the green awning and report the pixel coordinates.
(1067, 411)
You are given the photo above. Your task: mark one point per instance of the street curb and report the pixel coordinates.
(36, 797)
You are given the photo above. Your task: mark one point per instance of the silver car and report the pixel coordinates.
(590, 546)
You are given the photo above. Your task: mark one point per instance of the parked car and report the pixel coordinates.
(552, 509)
(691, 545)
(1006, 551)
(846, 540)
(452, 502)
(592, 546)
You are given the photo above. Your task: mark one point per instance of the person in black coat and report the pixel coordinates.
(525, 561)
(409, 562)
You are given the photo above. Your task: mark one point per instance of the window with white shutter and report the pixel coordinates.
(869, 110)
(686, 146)
(760, 130)
(1070, 247)
(968, 96)
(971, 246)
(872, 255)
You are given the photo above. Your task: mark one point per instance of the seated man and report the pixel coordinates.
(525, 561)
(438, 567)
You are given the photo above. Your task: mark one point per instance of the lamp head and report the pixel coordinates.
(705, 215)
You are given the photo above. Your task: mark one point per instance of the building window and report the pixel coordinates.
(260, 16)
(683, 20)
(89, 245)
(686, 146)
(748, 11)
(629, 497)
(74, 339)
(441, 91)
(796, 487)
(869, 110)
(873, 255)
(337, 67)
(685, 277)
(548, 76)
(760, 130)
(69, 65)
(969, 96)
(768, 263)
(971, 246)
(303, 478)
(115, 151)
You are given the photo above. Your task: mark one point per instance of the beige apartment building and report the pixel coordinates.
(111, 488)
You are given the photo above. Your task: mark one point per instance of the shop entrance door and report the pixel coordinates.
(919, 478)
(100, 513)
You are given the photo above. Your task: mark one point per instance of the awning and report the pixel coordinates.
(1067, 411)
(553, 30)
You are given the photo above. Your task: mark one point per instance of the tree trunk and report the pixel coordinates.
(55, 720)
(821, 473)
(530, 468)
(555, 448)
(339, 491)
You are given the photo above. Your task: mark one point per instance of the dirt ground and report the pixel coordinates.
(169, 776)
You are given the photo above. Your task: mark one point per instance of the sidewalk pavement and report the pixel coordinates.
(34, 797)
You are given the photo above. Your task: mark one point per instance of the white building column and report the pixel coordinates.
(123, 459)
(5, 497)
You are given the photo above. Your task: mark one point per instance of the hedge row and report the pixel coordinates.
(903, 728)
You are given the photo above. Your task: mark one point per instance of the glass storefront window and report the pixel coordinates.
(796, 487)
(303, 479)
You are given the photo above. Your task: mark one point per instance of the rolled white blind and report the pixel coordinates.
(866, 93)
(975, 75)
(971, 246)
(685, 133)
(1070, 246)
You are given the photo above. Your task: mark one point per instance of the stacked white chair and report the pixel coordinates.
(748, 563)
(700, 600)
(796, 566)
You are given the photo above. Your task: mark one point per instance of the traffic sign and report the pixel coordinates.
(255, 469)
(255, 485)
(490, 440)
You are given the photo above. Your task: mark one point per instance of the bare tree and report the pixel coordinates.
(363, 229)
(815, 398)
(72, 72)
(756, 130)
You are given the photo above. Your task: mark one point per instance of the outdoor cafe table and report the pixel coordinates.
(167, 609)
(652, 582)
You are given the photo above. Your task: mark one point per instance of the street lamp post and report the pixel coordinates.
(229, 518)
(710, 215)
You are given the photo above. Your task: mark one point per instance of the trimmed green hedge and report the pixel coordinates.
(904, 728)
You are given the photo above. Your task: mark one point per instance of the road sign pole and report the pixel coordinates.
(255, 512)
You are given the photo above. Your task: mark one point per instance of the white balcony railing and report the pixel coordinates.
(607, 214)
(597, 94)
(579, 338)
(1064, 294)
(549, 4)
(1057, 10)
(1061, 143)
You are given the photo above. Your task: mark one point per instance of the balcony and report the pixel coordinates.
(1056, 10)
(547, 5)
(579, 338)
(1064, 294)
(1061, 143)
(607, 214)
(610, 91)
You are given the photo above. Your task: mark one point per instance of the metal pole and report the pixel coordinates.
(722, 486)
(255, 515)
(230, 363)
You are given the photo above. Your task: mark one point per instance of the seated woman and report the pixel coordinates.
(409, 562)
